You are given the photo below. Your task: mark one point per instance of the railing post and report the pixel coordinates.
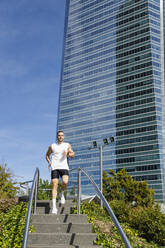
(79, 191)
(27, 189)
(26, 230)
(35, 197)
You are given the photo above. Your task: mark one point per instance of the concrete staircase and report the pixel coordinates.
(63, 230)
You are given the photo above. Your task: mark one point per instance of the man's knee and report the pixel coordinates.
(65, 180)
(54, 183)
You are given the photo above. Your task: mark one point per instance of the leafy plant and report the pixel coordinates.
(133, 204)
(107, 233)
(12, 224)
(121, 186)
(7, 185)
(121, 209)
(150, 223)
(6, 204)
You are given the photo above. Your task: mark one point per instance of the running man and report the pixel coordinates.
(60, 153)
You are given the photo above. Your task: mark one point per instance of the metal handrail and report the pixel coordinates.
(33, 193)
(26, 186)
(26, 182)
(115, 220)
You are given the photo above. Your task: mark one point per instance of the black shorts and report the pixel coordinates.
(57, 173)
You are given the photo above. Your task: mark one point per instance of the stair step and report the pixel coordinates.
(61, 238)
(42, 203)
(47, 210)
(44, 207)
(63, 246)
(59, 218)
(63, 228)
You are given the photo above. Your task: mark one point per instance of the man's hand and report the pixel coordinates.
(48, 156)
(49, 166)
(70, 152)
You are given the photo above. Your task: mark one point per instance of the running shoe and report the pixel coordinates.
(54, 211)
(62, 199)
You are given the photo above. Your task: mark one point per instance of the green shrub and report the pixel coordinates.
(121, 186)
(6, 204)
(93, 209)
(107, 233)
(121, 209)
(12, 224)
(150, 223)
(7, 186)
(121, 191)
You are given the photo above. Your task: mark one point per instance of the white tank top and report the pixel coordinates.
(59, 161)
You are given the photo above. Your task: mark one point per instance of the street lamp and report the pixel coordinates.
(105, 141)
(94, 144)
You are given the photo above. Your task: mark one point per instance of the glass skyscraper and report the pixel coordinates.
(112, 85)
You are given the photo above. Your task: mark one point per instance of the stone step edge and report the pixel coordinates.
(67, 200)
(50, 202)
(68, 223)
(59, 215)
(65, 234)
(63, 246)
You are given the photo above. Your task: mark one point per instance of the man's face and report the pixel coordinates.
(60, 137)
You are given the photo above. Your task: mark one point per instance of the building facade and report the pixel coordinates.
(112, 85)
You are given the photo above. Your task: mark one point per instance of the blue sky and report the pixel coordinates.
(31, 38)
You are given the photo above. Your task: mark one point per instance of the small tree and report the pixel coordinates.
(44, 191)
(121, 186)
(7, 188)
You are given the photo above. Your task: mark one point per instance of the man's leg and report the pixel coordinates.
(65, 179)
(54, 194)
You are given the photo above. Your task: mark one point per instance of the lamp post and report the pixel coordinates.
(101, 160)
(101, 173)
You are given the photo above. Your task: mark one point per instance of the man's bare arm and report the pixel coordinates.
(70, 152)
(49, 152)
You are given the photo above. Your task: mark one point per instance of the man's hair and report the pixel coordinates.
(59, 131)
